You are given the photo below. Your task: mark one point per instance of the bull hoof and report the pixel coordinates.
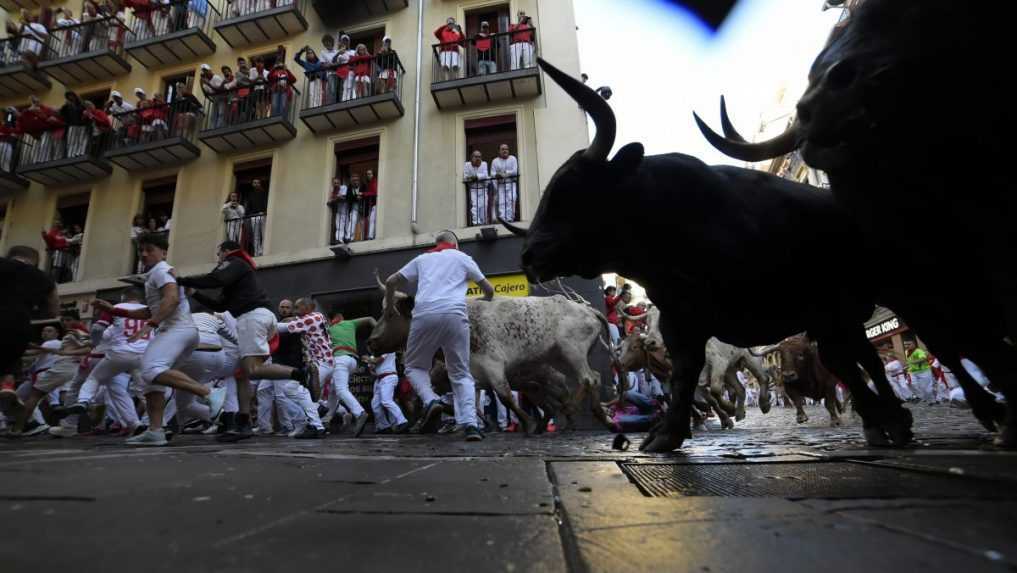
(529, 426)
(727, 424)
(876, 438)
(699, 427)
(802, 418)
(740, 414)
(661, 443)
(992, 417)
(1007, 438)
(899, 429)
(835, 423)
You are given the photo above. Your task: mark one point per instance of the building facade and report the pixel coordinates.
(280, 144)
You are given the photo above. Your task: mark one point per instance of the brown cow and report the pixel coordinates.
(804, 376)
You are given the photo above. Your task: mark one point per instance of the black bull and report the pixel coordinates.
(712, 225)
(868, 120)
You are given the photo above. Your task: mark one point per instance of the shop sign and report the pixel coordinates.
(504, 285)
(882, 328)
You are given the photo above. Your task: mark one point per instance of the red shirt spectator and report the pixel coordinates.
(449, 38)
(483, 42)
(280, 75)
(55, 239)
(372, 188)
(36, 121)
(100, 119)
(361, 64)
(611, 302)
(522, 32)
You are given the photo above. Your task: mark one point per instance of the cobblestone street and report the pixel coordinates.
(769, 494)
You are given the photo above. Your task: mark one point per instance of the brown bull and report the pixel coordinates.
(804, 376)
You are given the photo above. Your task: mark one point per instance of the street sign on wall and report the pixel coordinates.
(504, 285)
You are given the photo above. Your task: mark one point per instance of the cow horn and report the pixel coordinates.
(594, 105)
(377, 277)
(519, 231)
(781, 145)
(725, 122)
(766, 350)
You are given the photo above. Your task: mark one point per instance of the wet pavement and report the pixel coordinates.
(768, 495)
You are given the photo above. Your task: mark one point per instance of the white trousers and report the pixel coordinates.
(508, 194)
(506, 416)
(924, 385)
(900, 386)
(166, 348)
(272, 393)
(340, 388)
(306, 410)
(479, 208)
(612, 329)
(386, 412)
(203, 366)
(522, 55)
(451, 334)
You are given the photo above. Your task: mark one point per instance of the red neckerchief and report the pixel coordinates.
(242, 254)
(442, 247)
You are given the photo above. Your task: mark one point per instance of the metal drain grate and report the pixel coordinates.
(830, 480)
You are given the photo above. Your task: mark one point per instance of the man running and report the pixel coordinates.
(256, 325)
(168, 316)
(343, 334)
(24, 291)
(440, 322)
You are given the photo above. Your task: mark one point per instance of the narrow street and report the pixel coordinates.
(766, 496)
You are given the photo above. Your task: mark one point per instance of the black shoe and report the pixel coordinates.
(427, 422)
(241, 430)
(195, 426)
(358, 428)
(473, 434)
(383, 431)
(401, 428)
(226, 422)
(74, 409)
(310, 433)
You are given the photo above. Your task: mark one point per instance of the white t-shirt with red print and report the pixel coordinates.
(317, 342)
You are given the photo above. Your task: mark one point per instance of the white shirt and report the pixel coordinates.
(327, 56)
(46, 360)
(387, 365)
(124, 328)
(742, 377)
(895, 370)
(505, 167)
(440, 280)
(157, 278)
(480, 172)
(36, 30)
(212, 329)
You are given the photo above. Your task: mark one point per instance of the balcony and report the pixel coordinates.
(89, 52)
(17, 76)
(178, 34)
(251, 22)
(462, 75)
(246, 118)
(328, 106)
(346, 12)
(63, 156)
(15, 5)
(249, 231)
(155, 137)
(10, 181)
(353, 219)
(489, 198)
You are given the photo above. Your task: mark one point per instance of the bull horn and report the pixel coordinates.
(725, 122)
(781, 145)
(377, 277)
(594, 105)
(518, 231)
(766, 350)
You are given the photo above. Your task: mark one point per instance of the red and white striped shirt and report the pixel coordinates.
(317, 342)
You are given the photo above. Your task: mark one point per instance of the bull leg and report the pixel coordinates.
(833, 405)
(983, 404)
(688, 356)
(722, 414)
(896, 420)
(735, 387)
(838, 357)
(495, 377)
(1000, 366)
(799, 401)
(574, 365)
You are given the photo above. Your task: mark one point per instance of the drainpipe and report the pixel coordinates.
(416, 118)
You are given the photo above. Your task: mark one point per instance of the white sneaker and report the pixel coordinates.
(213, 429)
(215, 401)
(148, 438)
(63, 432)
(34, 429)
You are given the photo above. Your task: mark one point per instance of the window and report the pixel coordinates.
(245, 210)
(370, 38)
(156, 211)
(489, 196)
(64, 238)
(99, 98)
(498, 20)
(170, 85)
(353, 199)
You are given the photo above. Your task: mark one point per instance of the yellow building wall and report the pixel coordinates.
(549, 129)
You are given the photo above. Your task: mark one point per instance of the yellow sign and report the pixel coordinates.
(505, 285)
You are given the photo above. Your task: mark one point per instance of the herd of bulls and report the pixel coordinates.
(908, 113)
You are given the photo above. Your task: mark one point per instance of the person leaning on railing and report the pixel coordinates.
(33, 37)
(186, 109)
(451, 37)
(521, 50)
(361, 65)
(281, 82)
(388, 66)
(314, 71)
(9, 136)
(101, 127)
(483, 42)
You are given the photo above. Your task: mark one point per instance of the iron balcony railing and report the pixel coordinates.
(63, 263)
(247, 104)
(13, 48)
(241, 8)
(89, 140)
(474, 57)
(95, 35)
(354, 218)
(163, 19)
(10, 151)
(337, 83)
(156, 122)
(249, 231)
(489, 198)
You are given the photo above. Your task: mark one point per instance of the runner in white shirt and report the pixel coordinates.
(73, 345)
(388, 417)
(168, 314)
(897, 376)
(440, 321)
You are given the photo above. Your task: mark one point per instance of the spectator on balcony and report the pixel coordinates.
(484, 43)
(211, 87)
(164, 223)
(101, 126)
(521, 51)
(257, 198)
(327, 57)
(160, 116)
(120, 111)
(137, 227)
(245, 100)
(232, 212)
(76, 134)
(39, 121)
(67, 30)
(178, 14)
(505, 169)
(9, 141)
(314, 71)
(144, 12)
(361, 65)
(370, 205)
(187, 109)
(388, 64)
(228, 96)
(259, 81)
(475, 175)
(281, 81)
(345, 203)
(450, 37)
(89, 15)
(197, 11)
(33, 37)
(343, 70)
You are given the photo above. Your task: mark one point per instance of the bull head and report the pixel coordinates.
(571, 214)
(393, 329)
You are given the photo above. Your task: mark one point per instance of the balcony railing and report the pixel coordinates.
(353, 219)
(250, 22)
(479, 71)
(155, 136)
(63, 263)
(172, 33)
(248, 117)
(64, 155)
(10, 149)
(487, 199)
(18, 75)
(333, 100)
(249, 231)
(88, 52)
